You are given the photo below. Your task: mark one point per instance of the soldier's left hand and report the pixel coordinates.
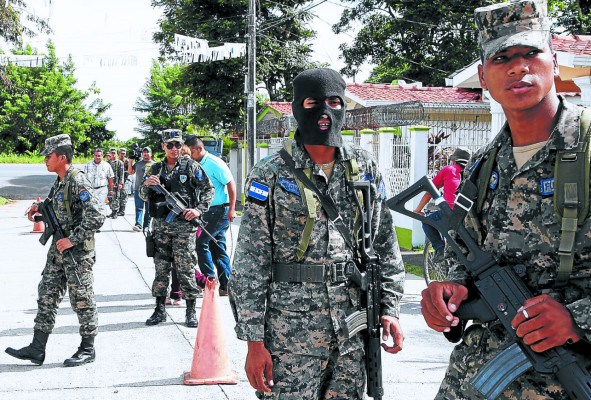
(191, 213)
(63, 244)
(120, 186)
(392, 327)
(544, 323)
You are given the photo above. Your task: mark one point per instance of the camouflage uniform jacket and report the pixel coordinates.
(519, 225)
(196, 178)
(270, 232)
(86, 210)
(117, 166)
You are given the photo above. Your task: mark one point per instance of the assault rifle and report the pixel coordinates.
(53, 227)
(177, 205)
(370, 282)
(500, 294)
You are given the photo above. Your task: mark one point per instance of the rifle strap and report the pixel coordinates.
(571, 196)
(67, 191)
(325, 201)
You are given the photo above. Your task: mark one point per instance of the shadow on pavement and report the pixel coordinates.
(74, 329)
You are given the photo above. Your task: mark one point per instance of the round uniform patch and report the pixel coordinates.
(183, 178)
(494, 180)
(84, 195)
(199, 174)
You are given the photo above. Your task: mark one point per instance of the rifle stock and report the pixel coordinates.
(501, 293)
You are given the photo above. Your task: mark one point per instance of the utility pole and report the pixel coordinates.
(251, 133)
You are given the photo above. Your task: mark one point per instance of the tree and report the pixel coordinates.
(427, 40)
(11, 27)
(165, 101)
(42, 102)
(282, 51)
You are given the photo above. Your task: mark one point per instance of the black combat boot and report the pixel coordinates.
(35, 351)
(191, 315)
(114, 215)
(84, 354)
(159, 313)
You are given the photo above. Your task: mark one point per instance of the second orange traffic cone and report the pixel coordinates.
(211, 364)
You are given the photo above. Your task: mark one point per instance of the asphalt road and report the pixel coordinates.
(135, 361)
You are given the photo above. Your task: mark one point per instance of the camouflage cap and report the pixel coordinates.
(122, 150)
(52, 143)
(172, 135)
(514, 23)
(113, 150)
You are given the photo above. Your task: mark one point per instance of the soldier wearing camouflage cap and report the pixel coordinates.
(175, 241)
(123, 192)
(517, 221)
(78, 211)
(297, 346)
(118, 182)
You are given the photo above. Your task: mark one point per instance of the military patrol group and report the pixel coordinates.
(289, 289)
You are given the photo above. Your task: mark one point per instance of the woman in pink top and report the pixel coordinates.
(449, 178)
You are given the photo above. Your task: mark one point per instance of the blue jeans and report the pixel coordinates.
(139, 210)
(433, 234)
(217, 224)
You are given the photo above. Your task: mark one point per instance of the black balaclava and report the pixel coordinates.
(320, 84)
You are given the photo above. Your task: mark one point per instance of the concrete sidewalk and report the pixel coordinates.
(135, 361)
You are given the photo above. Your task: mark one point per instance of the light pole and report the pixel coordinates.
(251, 133)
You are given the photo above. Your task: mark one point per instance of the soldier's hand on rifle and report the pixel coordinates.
(63, 244)
(120, 186)
(31, 211)
(440, 299)
(544, 323)
(153, 180)
(259, 367)
(392, 327)
(191, 213)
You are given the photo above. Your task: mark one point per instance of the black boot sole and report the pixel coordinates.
(78, 363)
(12, 352)
(152, 322)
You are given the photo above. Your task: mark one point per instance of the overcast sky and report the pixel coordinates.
(110, 42)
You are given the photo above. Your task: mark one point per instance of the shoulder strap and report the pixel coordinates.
(571, 195)
(325, 201)
(67, 192)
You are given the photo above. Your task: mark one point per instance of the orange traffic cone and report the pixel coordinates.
(39, 227)
(211, 365)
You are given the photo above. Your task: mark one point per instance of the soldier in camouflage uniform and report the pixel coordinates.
(518, 224)
(175, 241)
(297, 347)
(122, 198)
(79, 223)
(118, 182)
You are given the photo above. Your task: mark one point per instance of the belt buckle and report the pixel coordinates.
(337, 272)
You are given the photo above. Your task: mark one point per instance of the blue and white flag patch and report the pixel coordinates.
(258, 191)
(366, 177)
(290, 186)
(547, 186)
(494, 180)
(60, 196)
(84, 195)
(382, 189)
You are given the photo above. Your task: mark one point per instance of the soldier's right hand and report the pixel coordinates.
(31, 211)
(153, 180)
(440, 300)
(259, 366)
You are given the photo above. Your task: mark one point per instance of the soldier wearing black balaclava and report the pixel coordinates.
(288, 304)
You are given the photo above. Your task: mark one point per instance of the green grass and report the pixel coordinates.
(35, 159)
(3, 200)
(414, 269)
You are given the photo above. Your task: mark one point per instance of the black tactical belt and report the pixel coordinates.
(314, 273)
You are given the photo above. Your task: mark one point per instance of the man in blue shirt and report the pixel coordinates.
(221, 213)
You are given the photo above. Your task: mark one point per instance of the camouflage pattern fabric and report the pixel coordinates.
(175, 241)
(58, 274)
(119, 178)
(514, 23)
(122, 199)
(519, 226)
(306, 319)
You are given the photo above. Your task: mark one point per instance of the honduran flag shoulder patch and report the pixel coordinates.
(258, 191)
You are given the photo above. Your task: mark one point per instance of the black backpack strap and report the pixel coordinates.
(325, 201)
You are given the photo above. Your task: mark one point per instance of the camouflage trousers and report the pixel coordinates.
(299, 376)
(59, 275)
(174, 242)
(122, 199)
(114, 203)
(478, 346)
